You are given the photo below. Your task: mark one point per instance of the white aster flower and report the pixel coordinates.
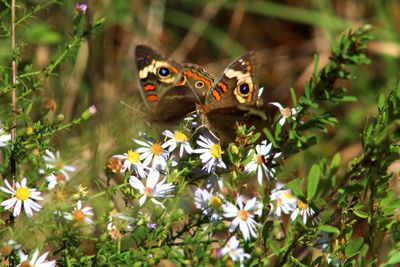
(132, 158)
(285, 112)
(9, 247)
(177, 139)
(243, 216)
(211, 154)
(21, 196)
(80, 214)
(260, 156)
(208, 202)
(283, 201)
(53, 161)
(153, 188)
(234, 251)
(4, 138)
(152, 153)
(36, 261)
(302, 209)
(54, 179)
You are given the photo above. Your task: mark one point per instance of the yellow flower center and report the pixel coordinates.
(286, 112)
(215, 202)
(179, 136)
(133, 157)
(156, 149)
(243, 215)
(302, 205)
(216, 151)
(259, 159)
(78, 215)
(22, 193)
(287, 194)
(147, 191)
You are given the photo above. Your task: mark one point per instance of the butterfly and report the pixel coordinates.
(235, 97)
(170, 90)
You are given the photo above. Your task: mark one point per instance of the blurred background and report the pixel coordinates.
(285, 35)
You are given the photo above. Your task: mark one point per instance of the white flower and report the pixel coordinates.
(303, 209)
(153, 189)
(260, 156)
(152, 152)
(208, 202)
(9, 247)
(55, 162)
(211, 154)
(177, 138)
(36, 261)
(80, 214)
(21, 196)
(243, 216)
(284, 201)
(53, 179)
(285, 112)
(132, 158)
(235, 252)
(4, 138)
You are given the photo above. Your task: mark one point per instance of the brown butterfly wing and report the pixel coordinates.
(237, 85)
(156, 76)
(198, 79)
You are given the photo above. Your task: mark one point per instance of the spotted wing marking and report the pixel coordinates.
(242, 76)
(154, 66)
(196, 76)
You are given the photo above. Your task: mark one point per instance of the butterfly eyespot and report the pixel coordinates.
(164, 72)
(199, 84)
(244, 88)
(147, 60)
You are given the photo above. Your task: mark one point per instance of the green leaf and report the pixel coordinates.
(361, 214)
(353, 247)
(312, 181)
(394, 259)
(329, 229)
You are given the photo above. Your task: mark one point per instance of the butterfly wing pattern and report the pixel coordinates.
(169, 90)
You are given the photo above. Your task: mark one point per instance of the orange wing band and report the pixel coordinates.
(149, 87)
(216, 95)
(223, 86)
(152, 98)
(197, 77)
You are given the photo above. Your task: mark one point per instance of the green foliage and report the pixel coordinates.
(330, 215)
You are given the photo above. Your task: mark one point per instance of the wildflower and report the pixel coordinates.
(152, 152)
(118, 221)
(284, 200)
(21, 196)
(285, 112)
(243, 216)
(36, 261)
(153, 188)
(4, 138)
(234, 251)
(260, 156)
(53, 180)
(8, 247)
(114, 164)
(132, 158)
(303, 209)
(81, 8)
(177, 138)
(211, 154)
(53, 161)
(208, 202)
(80, 214)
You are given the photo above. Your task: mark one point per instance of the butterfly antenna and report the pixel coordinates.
(131, 107)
